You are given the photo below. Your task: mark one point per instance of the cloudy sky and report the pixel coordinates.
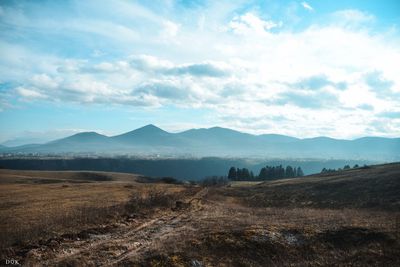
(300, 68)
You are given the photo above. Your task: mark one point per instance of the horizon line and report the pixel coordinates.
(202, 128)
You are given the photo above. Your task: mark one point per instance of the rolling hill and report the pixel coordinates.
(151, 140)
(373, 187)
(346, 218)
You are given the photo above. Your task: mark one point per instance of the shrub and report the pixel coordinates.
(153, 199)
(214, 181)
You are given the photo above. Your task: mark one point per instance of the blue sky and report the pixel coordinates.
(300, 68)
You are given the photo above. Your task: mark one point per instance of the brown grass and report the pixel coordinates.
(342, 219)
(228, 234)
(376, 188)
(32, 211)
(28, 176)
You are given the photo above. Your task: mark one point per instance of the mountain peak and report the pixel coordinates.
(150, 126)
(143, 133)
(86, 135)
(218, 128)
(81, 137)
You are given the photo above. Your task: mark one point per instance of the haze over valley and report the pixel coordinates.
(200, 133)
(217, 142)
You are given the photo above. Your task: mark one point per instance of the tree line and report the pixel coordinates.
(346, 167)
(266, 173)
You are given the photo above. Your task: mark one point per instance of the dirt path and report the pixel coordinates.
(126, 242)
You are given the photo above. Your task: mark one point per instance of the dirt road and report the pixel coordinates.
(315, 221)
(129, 240)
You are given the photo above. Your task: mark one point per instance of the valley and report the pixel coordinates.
(345, 218)
(151, 141)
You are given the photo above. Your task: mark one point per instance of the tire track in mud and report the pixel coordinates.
(172, 223)
(112, 248)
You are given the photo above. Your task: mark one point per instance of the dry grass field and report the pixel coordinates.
(349, 218)
(41, 204)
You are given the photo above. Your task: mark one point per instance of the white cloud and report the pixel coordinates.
(170, 29)
(44, 81)
(244, 67)
(250, 23)
(151, 64)
(307, 6)
(262, 84)
(29, 94)
(352, 17)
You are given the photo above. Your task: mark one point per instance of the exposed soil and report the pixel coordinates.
(225, 226)
(199, 232)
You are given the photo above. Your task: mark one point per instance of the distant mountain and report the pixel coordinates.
(217, 134)
(82, 137)
(19, 141)
(147, 135)
(151, 140)
(144, 133)
(219, 141)
(277, 138)
(79, 143)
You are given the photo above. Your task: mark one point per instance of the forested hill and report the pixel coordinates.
(217, 142)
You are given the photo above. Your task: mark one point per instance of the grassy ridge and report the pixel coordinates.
(376, 187)
(347, 218)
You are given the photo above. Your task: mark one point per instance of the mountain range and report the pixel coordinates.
(222, 142)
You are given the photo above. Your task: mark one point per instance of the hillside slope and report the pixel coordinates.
(347, 218)
(216, 141)
(373, 187)
(48, 177)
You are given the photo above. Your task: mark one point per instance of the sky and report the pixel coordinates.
(299, 68)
